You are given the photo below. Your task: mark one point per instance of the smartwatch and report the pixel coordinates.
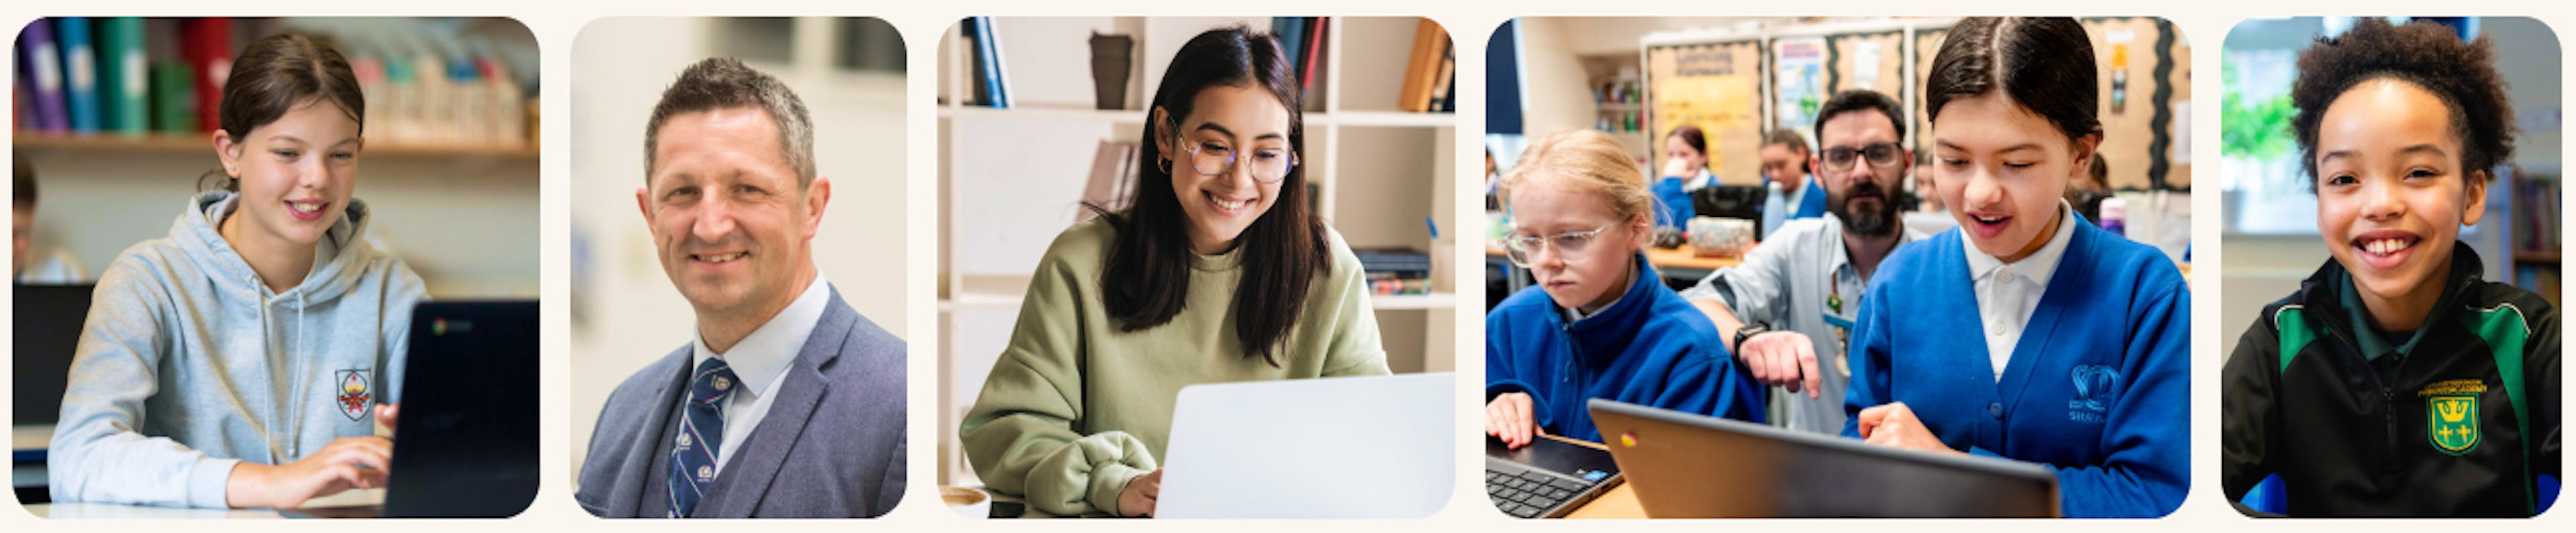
(1747, 332)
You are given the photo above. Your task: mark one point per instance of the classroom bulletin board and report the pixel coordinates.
(1727, 88)
(2145, 84)
(1927, 43)
(1716, 86)
(1873, 61)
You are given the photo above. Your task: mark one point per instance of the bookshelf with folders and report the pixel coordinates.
(127, 85)
(1028, 134)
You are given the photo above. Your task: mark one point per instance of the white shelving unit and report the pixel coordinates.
(1011, 179)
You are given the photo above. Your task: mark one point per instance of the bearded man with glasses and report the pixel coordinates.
(1787, 311)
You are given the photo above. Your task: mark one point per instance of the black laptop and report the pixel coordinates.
(48, 330)
(1684, 465)
(1546, 479)
(1732, 201)
(466, 443)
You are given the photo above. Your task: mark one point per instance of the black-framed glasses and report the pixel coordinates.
(1884, 154)
(1268, 165)
(1522, 248)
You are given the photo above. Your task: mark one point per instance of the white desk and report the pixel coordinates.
(128, 512)
(133, 512)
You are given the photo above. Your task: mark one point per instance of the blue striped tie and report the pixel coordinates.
(693, 459)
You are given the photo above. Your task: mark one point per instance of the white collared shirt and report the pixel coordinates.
(1801, 279)
(2007, 293)
(759, 360)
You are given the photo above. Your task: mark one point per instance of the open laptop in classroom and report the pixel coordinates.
(1685, 465)
(1362, 447)
(466, 443)
(47, 334)
(1546, 479)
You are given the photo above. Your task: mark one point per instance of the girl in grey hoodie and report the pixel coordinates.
(242, 360)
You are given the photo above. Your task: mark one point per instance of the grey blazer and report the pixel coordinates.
(832, 444)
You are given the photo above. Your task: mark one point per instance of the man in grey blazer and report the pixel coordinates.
(787, 403)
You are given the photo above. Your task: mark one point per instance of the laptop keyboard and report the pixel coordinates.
(1529, 493)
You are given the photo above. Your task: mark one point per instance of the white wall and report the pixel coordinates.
(626, 313)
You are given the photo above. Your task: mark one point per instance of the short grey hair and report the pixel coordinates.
(724, 83)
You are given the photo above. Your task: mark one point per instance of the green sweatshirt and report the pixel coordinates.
(1075, 408)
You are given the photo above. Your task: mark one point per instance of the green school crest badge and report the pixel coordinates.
(2452, 414)
(2455, 423)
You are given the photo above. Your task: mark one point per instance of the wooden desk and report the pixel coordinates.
(1686, 258)
(1619, 502)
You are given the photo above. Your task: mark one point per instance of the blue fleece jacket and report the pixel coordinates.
(2098, 387)
(1649, 348)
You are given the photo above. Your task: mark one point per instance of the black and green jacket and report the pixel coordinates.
(2458, 421)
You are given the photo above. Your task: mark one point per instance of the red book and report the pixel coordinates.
(1314, 53)
(208, 47)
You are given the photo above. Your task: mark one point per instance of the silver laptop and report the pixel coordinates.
(1684, 465)
(1366, 447)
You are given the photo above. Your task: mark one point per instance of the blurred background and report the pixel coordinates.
(118, 121)
(114, 116)
(2269, 224)
(1738, 79)
(849, 72)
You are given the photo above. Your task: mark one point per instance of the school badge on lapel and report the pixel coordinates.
(2451, 414)
(354, 393)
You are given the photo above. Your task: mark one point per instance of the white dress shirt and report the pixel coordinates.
(759, 360)
(2007, 293)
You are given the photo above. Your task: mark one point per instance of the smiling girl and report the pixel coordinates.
(1599, 323)
(1218, 273)
(2395, 382)
(2025, 333)
(240, 361)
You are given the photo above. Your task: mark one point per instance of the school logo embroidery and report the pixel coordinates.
(2451, 414)
(2094, 387)
(354, 393)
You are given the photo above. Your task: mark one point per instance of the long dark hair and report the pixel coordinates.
(1147, 276)
(274, 75)
(2043, 63)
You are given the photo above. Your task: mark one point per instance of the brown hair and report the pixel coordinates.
(1590, 158)
(725, 83)
(275, 75)
(1692, 136)
(2044, 64)
(1147, 276)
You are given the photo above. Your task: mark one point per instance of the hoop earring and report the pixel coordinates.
(1165, 164)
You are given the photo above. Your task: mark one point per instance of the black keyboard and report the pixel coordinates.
(1530, 493)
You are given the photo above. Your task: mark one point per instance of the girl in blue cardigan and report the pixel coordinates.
(2025, 333)
(1599, 323)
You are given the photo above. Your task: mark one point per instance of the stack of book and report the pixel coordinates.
(1303, 39)
(991, 87)
(1396, 271)
(1430, 77)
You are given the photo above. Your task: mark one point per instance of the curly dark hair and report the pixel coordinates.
(2423, 54)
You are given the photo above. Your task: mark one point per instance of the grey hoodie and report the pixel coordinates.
(188, 364)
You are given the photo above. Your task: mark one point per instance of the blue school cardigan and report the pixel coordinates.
(1649, 348)
(2098, 387)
